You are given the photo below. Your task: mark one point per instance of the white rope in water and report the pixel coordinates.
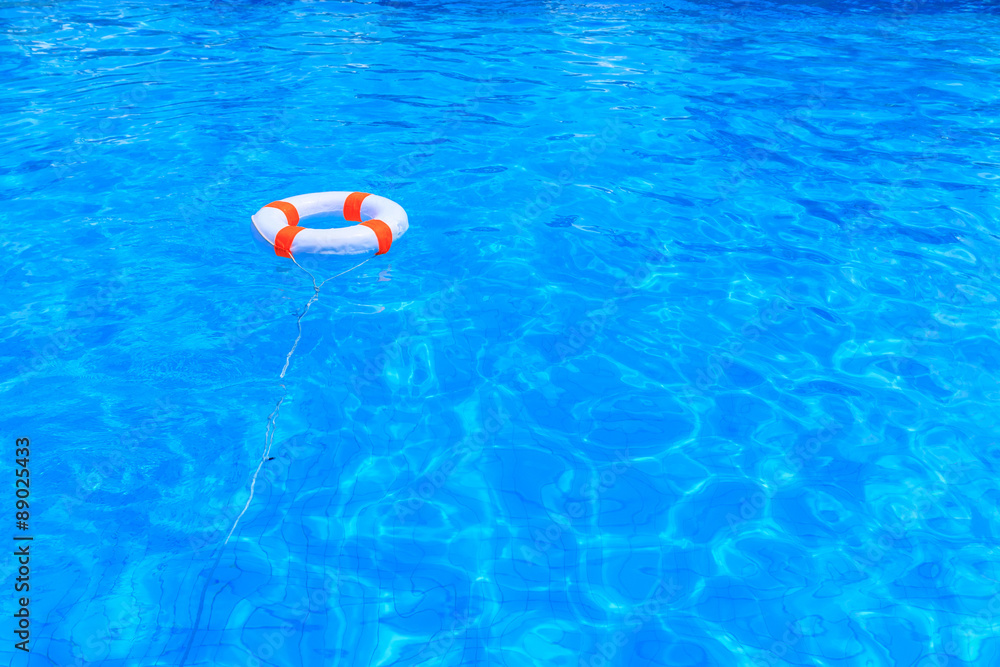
(273, 417)
(268, 439)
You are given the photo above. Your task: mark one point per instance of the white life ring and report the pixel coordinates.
(381, 221)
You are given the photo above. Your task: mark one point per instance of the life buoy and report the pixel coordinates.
(380, 222)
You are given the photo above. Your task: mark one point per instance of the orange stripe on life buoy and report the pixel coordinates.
(283, 240)
(352, 206)
(383, 233)
(291, 213)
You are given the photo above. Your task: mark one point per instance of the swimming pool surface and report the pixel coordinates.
(690, 355)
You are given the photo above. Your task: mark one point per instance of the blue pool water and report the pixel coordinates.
(689, 357)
